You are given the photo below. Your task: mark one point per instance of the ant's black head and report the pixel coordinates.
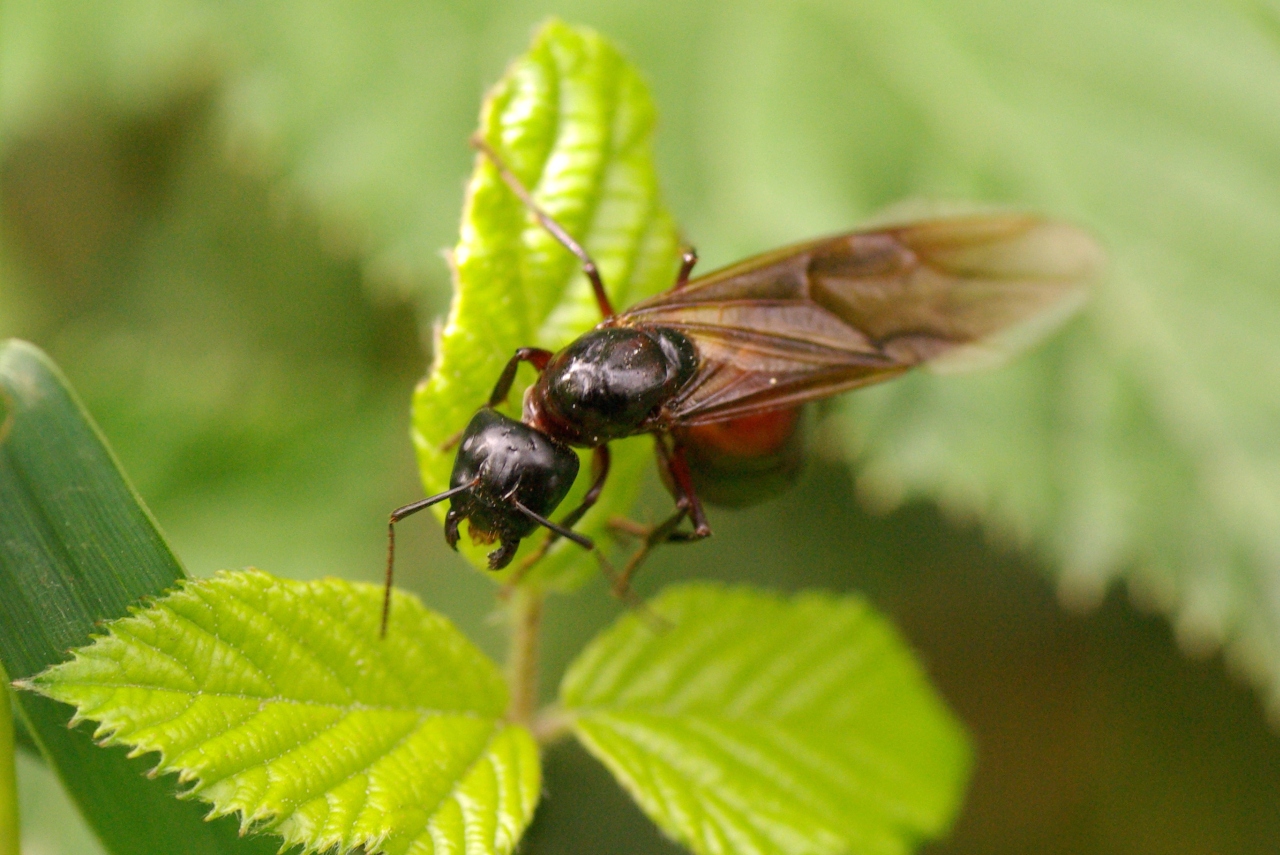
(517, 475)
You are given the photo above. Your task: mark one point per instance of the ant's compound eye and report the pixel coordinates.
(509, 461)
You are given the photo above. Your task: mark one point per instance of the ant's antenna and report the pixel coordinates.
(397, 515)
(580, 539)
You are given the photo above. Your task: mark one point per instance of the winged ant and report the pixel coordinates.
(717, 368)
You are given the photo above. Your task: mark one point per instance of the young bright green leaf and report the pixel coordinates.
(745, 722)
(77, 547)
(277, 701)
(573, 120)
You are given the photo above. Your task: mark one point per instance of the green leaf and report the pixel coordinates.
(745, 722)
(276, 700)
(77, 547)
(573, 120)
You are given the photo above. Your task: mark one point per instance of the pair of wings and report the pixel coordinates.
(811, 320)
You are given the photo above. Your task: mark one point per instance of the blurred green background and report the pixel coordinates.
(224, 221)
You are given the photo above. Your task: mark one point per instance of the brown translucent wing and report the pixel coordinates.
(818, 318)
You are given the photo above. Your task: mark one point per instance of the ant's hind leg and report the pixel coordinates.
(687, 505)
(651, 536)
(682, 481)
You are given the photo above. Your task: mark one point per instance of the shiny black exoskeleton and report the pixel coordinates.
(510, 475)
(609, 383)
(507, 469)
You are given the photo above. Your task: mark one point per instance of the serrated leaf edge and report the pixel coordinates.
(269, 821)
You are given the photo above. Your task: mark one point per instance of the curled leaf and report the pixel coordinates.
(574, 121)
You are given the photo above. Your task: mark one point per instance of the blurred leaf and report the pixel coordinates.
(277, 700)
(364, 106)
(759, 724)
(76, 548)
(247, 381)
(1142, 445)
(22, 738)
(573, 120)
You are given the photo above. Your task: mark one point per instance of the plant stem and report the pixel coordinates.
(522, 656)
(551, 725)
(9, 836)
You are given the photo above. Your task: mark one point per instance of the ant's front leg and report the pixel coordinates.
(535, 356)
(600, 459)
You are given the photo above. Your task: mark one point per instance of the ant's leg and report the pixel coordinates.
(557, 231)
(535, 356)
(686, 497)
(664, 532)
(678, 467)
(687, 260)
(687, 504)
(600, 470)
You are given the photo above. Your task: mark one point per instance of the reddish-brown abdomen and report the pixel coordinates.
(756, 435)
(743, 461)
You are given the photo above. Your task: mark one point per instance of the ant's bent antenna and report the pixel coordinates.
(397, 515)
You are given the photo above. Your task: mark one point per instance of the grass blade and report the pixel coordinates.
(77, 547)
(9, 833)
